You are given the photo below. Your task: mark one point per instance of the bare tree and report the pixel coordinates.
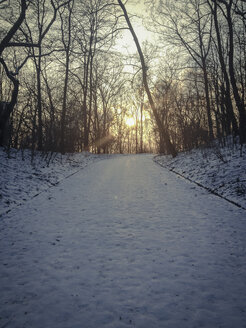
(66, 29)
(165, 142)
(45, 14)
(227, 9)
(6, 108)
(25, 40)
(227, 91)
(189, 24)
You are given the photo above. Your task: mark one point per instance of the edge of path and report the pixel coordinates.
(54, 184)
(211, 191)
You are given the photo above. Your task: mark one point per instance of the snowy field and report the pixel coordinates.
(123, 243)
(22, 179)
(221, 170)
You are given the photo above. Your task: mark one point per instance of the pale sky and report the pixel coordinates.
(126, 43)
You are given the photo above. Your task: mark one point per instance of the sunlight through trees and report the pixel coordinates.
(77, 75)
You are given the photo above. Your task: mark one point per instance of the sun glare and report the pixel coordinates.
(130, 121)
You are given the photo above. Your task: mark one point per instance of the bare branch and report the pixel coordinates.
(22, 44)
(54, 16)
(8, 73)
(14, 28)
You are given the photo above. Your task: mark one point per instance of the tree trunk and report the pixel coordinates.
(7, 108)
(64, 107)
(141, 126)
(67, 62)
(238, 99)
(163, 134)
(14, 28)
(208, 106)
(205, 77)
(5, 112)
(228, 101)
(39, 102)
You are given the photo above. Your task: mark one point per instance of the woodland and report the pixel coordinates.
(67, 86)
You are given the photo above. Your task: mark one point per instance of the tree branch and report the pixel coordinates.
(54, 16)
(8, 73)
(14, 28)
(22, 44)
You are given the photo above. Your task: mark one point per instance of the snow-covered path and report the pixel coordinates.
(123, 243)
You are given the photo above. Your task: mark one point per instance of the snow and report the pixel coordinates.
(21, 178)
(221, 170)
(123, 243)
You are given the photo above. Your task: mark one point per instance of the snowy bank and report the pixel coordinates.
(22, 178)
(221, 170)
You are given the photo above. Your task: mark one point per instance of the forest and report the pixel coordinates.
(67, 84)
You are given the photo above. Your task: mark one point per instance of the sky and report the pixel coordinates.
(126, 44)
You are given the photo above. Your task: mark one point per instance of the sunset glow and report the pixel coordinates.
(130, 121)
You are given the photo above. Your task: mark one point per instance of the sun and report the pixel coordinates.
(130, 121)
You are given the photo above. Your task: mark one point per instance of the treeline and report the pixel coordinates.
(64, 86)
(200, 92)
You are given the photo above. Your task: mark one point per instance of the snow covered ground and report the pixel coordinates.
(222, 170)
(123, 243)
(22, 179)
